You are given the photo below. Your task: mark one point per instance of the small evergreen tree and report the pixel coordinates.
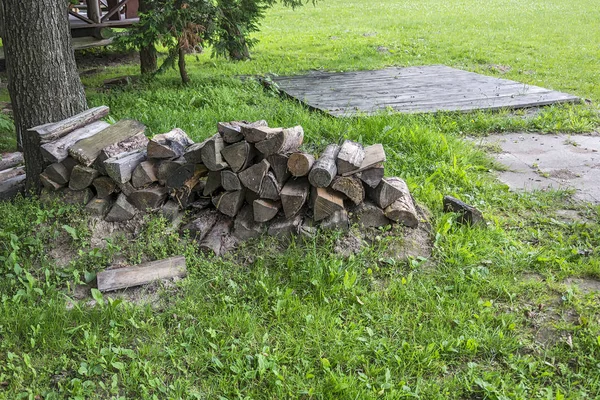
(184, 26)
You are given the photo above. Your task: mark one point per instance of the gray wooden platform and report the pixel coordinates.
(414, 90)
(79, 43)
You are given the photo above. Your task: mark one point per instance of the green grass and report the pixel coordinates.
(303, 322)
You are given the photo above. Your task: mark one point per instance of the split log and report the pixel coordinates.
(403, 211)
(251, 196)
(10, 160)
(56, 130)
(372, 176)
(229, 203)
(82, 177)
(239, 156)
(338, 221)
(49, 183)
(387, 192)
(171, 211)
(374, 154)
(215, 240)
(213, 183)
(186, 175)
(58, 173)
(76, 197)
(104, 186)
(144, 174)
(350, 157)
(126, 188)
(99, 207)
(11, 173)
(230, 181)
(245, 227)
(294, 195)
(233, 132)
(187, 192)
(129, 145)
(270, 188)
(252, 177)
(279, 166)
(169, 145)
(468, 214)
(325, 168)
(299, 164)
(326, 202)
(123, 278)
(151, 197)
(284, 227)
(260, 133)
(59, 150)
(69, 164)
(369, 215)
(286, 141)
(202, 224)
(265, 210)
(351, 186)
(121, 167)
(167, 167)
(183, 197)
(87, 150)
(211, 153)
(201, 203)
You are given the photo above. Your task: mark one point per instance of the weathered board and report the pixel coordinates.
(414, 90)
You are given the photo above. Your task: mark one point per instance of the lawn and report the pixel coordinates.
(490, 315)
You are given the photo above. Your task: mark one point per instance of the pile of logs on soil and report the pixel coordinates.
(12, 175)
(245, 180)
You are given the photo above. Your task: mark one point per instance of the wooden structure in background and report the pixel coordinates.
(94, 14)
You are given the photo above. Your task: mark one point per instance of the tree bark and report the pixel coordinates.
(42, 75)
(182, 71)
(148, 56)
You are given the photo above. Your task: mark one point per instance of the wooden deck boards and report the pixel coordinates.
(79, 43)
(414, 90)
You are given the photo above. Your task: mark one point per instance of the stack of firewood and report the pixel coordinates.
(248, 178)
(12, 175)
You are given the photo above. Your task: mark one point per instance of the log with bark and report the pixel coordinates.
(233, 132)
(325, 168)
(121, 167)
(351, 186)
(229, 203)
(286, 141)
(215, 241)
(105, 187)
(245, 227)
(260, 133)
(270, 188)
(58, 150)
(239, 156)
(82, 177)
(149, 198)
(199, 227)
(253, 176)
(56, 130)
(468, 214)
(58, 173)
(169, 145)
(129, 145)
(230, 181)
(294, 195)
(211, 153)
(279, 166)
(388, 191)
(265, 210)
(299, 164)
(350, 157)
(374, 154)
(10, 160)
(144, 174)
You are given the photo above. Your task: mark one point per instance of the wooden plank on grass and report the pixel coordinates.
(55, 130)
(122, 278)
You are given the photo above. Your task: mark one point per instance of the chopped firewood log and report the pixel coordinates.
(167, 167)
(58, 173)
(193, 153)
(144, 174)
(232, 131)
(87, 150)
(76, 196)
(245, 227)
(284, 227)
(69, 164)
(104, 186)
(326, 202)
(126, 188)
(372, 176)
(287, 141)
(202, 224)
(239, 156)
(58, 150)
(294, 195)
(201, 203)
(171, 211)
(10, 160)
(121, 167)
(211, 153)
(260, 133)
(279, 166)
(252, 177)
(403, 211)
(350, 157)
(99, 207)
(338, 221)
(55, 130)
(169, 145)
(230, 181)
(251, 196)
(270, 188)
(183, 197)
(374, 155)
(142, 274)
(468, 214)
(351, 186)
(188, 174)
(388, 191)
(82, 177)
(49, 183)
(213, 183)
(11, 173)
(187, 192)
(214, 241)
(151, 197)
(136, 142)
(265, 210)
(299, 164)
(325, 168)
(229, 203)
(369, 215)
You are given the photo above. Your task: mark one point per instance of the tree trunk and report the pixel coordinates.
(148, 63)
(182, 71)
(42, 76)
